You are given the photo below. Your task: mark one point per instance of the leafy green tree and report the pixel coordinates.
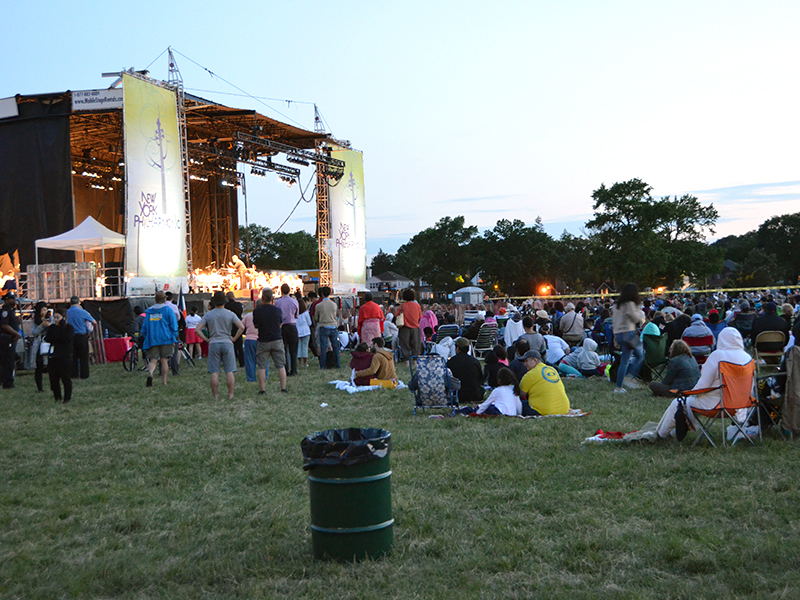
(651, 242)
(572, 264)
(442, 255)
(737, 247)
(279, 250)
(513, 256)
(382, 262)
(779, 236)
(759, 268)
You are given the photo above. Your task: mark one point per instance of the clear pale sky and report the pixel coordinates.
(487, 109)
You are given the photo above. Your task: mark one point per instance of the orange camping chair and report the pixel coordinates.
(737, 387)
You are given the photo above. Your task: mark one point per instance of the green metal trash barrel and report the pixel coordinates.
(351, 495)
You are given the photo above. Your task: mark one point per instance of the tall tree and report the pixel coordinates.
(779, 237)
(513, 256)
(651, 242)
(441, 255)
(382, 262)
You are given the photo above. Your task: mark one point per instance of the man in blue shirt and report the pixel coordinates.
(78, 318)
(160, 332)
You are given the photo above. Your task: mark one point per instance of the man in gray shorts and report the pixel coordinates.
(267, 318)
(220, 322)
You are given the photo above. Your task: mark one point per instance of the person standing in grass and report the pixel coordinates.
(325, 319)
(250, 347)
(220, 322)
(290, 310)
(83, 323)
(268, 318)
(160, 332)
(59, 365)
(542, 388)
(627, 317)
(303, 331)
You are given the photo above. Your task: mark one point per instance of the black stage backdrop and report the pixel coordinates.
(115, 315)
(35, 178)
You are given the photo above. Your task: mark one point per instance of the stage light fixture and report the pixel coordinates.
(297, 160)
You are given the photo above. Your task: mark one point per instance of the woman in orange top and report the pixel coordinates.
(370, 320)
(410, 337)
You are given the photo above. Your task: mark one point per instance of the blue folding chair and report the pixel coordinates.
(430, 383)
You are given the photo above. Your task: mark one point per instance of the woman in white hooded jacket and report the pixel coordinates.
(730, 348)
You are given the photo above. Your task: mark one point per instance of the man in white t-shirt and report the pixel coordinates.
(556, 347)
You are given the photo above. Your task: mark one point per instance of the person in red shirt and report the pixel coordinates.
(409, 336)
(370, 320)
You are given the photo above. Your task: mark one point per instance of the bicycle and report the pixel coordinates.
(131, 358)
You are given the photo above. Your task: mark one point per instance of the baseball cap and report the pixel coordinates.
(542, 314)
(697, 317)
(530, 354)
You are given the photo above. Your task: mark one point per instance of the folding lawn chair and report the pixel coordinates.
(768, 351)
(737, 388)
(431, 383)
(655, 357)
(487, 338)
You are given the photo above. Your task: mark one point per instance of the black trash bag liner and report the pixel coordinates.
(345, 447)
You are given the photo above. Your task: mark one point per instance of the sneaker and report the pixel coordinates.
(620, 391)
(285, 391)
(631, 383)
(262, 393)
(149, 381)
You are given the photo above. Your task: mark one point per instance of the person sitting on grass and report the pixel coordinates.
(542, 389)
(699, 338)
(360, 358)
(467, 370)
(557, 348)
(381, 364)
(491, 367)
(517, 365)
(535, 340)
(681, 374)
(504, 399)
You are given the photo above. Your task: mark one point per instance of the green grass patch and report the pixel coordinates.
(131, 492)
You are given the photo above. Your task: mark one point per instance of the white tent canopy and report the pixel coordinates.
(86, 237)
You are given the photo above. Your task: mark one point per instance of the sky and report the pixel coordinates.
(501, 110)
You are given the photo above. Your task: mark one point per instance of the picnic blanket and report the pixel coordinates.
(351, 388)
(573, 412)
(648, 433)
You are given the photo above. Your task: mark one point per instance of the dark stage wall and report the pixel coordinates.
(35, 186)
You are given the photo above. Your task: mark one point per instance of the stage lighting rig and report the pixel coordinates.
(293, 154)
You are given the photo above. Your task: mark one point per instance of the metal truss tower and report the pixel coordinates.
(176, 81)
(323, 208)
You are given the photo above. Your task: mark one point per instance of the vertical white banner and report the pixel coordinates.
(348, 244)
(156, 234)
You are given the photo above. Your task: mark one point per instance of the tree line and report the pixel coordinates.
(632, 236)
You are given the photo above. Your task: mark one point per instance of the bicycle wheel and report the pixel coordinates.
(187, 356)
(130, 359)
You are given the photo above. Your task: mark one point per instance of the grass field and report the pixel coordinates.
(130, 492)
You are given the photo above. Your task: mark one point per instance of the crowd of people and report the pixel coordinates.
(535, 342)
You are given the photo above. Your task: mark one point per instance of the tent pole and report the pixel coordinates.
(103, 271)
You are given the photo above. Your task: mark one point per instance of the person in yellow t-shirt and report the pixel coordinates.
(542, 387)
